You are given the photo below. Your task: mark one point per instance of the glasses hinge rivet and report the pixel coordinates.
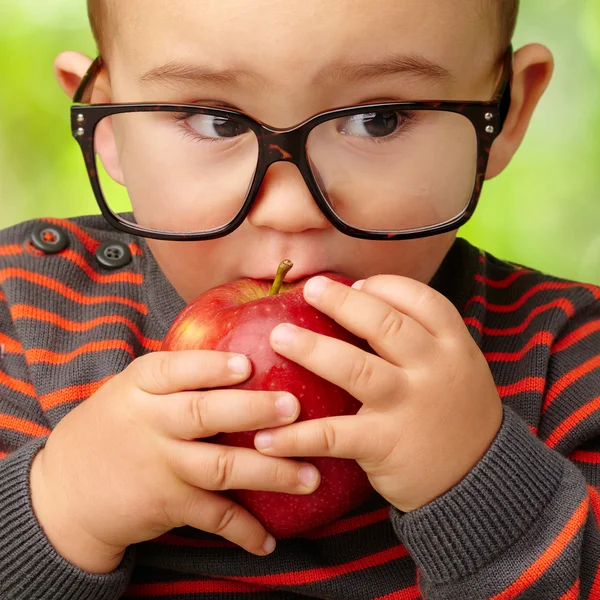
(80, 132)
(80, 119)
(490, 129)
(489, 116)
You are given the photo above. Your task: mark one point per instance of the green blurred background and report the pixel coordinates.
(543, 211)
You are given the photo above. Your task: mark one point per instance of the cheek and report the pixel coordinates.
(194, 267)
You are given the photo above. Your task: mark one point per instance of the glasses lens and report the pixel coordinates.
(175, 172)
(395, 170)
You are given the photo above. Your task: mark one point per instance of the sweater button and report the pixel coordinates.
(49, 238)
(113, 254)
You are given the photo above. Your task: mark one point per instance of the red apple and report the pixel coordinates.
(239, 317)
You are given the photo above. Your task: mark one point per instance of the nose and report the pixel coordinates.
(285, 203)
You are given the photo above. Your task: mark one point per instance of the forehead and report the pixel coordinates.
(296, 35)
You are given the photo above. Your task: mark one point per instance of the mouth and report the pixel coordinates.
(293, 276)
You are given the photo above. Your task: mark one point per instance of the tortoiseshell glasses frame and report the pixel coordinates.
(289, 145)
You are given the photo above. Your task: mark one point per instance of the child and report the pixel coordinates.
(481, 419)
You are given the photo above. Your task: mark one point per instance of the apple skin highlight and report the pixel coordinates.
(239, 317)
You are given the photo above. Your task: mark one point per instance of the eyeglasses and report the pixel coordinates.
(386, 171)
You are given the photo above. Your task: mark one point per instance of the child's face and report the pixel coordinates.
(281, 48)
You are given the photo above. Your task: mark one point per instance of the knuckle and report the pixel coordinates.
(163, 369)
(428, 298)
(329, 437)
(227, 518)
(223, 472)
(361, 372)
(391, 325)
(341, 299)
(151, 370)
(278, 474)
(196, 412)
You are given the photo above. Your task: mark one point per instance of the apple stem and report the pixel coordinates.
(282, 271)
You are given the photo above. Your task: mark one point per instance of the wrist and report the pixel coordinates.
(71, 541)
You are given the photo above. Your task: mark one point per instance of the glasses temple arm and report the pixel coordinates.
(83, 95)
(502, 94)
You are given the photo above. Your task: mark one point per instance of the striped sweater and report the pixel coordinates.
(524, 523)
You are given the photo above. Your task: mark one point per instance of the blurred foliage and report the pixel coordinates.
(543, 211)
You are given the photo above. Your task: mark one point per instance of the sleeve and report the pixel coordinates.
(525, 522)
(30, 567)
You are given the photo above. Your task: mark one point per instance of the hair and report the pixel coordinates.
(502, 15)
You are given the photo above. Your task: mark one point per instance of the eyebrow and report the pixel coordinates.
(181, 73)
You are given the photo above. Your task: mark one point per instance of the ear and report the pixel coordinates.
(69, 69)
(533, 66)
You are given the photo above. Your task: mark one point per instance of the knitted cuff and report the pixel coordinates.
(459, 532)
(30, 567)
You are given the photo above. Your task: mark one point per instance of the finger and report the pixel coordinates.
(193, 415)
(219, 515)
(175, 371)
(216, 467)
(418, 301)
(364, 375)
(395, 336)
(331, 436)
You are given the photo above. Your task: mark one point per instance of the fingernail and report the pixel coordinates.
(357, 285)
(315, 287)
(269, 545)
(286, 405)
(283, 334)
(263, 440)
(239, 364)
(308, 476)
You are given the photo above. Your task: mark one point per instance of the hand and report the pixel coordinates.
(430, 405)
(125, 466)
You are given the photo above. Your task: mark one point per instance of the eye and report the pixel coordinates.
(210, 126)
(372, 125)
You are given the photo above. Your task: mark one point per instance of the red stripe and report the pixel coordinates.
(66, 291)
(502, 283)
(77, 259)
(73, 393)
(576, 336)
(540, 287)
(585, 456)
(595, 590)
(23, 387)
(594, 502)
(9, 345)
(349, 524)
(41, 355)
(11, 250)
(542, 338)
(573, 593)
(200, 586)
(127, 277)
(571, 422)
(569, 378)
(545, 561)
(3, 455)
(409, 593)
(529, 384)
(90, 244)
(567, 307)
(295, 578)
(25, 311)
(341, 526)
(12, 423)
